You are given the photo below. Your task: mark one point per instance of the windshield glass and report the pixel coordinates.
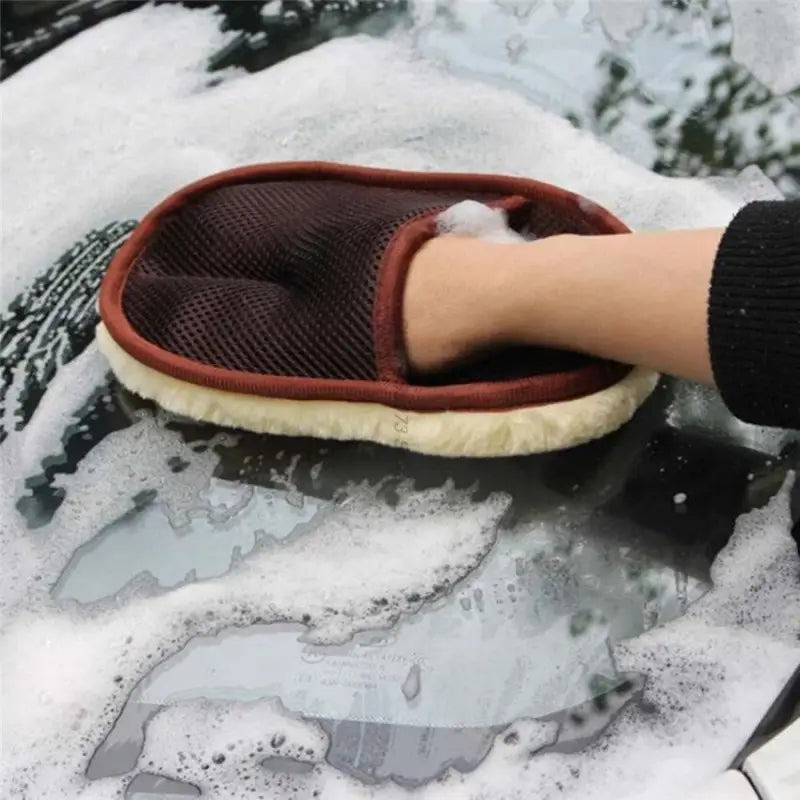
(193, 610)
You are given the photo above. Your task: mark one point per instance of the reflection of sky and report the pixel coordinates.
(700, 407)
(552, 53)
(228, 522)
(529, 53)
(525, 635)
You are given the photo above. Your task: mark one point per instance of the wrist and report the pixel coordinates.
(548, 279)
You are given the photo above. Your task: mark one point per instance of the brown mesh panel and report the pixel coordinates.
(275, 278)
(279, 278)
(546, 220)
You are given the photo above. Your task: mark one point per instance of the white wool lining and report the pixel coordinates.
(533, 429)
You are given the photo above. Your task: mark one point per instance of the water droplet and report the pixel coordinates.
(412, 684)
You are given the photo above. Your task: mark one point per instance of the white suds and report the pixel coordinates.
(470, 218)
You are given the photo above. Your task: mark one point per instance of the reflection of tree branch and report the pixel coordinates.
(732, 122)
(32, 29)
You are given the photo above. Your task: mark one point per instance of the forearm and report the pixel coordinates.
(639, 298)
(709, 305)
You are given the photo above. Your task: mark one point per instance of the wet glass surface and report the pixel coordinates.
(654, 78)
(597, 544)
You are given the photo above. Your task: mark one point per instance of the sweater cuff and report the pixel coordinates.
(753, 320)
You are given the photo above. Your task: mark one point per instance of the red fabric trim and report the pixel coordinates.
(390, 388)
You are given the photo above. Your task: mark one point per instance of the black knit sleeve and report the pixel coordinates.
(754, 314)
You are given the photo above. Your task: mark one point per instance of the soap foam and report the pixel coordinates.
(70, 388)
(700, 702)
(470, 218)
(142, 137)
(68, 669)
